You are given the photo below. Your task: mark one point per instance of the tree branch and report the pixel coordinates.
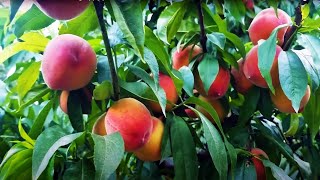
(114, 77)
(289, 36)
(203, 37)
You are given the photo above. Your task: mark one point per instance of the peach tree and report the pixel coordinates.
(146, 89)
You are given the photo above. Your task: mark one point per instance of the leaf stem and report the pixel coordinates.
(114, 77)
(203, 37)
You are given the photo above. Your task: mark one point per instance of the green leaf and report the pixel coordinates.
(38, 123)
(75, 112)
(27, 79)
(170, 21)
(215, 145)
(310, 66)
(238, 43)
(14, 7)
(19, 162)
(140, 89)
(33, 42)
(158, 91)
(245, 170)
(312, 43)
(277, 172)
(236, 9)
(103, 91)
(294, 125)
(81, 170)
(108, 152)
(311, 113)
(208, 70)
(24, 135)
(218, 39)
(266, 54)
(152, 63)
(293, 77)
(183, 150)
(33, 19)
(188, 80)
(81, 25)
(128, 15)
(249, 106)
(156, 46)
(13, 150)
(47, 143)
(165, 143)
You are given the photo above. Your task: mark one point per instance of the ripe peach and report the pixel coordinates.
(68, 63)
(265, 22)
(169, 88)
(242, 84)
(219, 86)
(132, 120)
(151, 151)
(64, 101)
(182, 57)
(283, 104)
(260, 169)
(216, 104)
(252, 72)
(99, 126)
(62, 9)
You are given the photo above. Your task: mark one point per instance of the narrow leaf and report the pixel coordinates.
(183, 150)
(293, 77)
(208, 70)
(47, 143)
(108, 152)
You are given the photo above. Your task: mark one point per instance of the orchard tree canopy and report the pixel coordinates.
(159, 89)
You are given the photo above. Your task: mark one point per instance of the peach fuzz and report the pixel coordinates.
(151, 151)
(217, 105)
(242, 84)
(265, 22)
(219, 86)
(99, 126)
(181, 57)
(169, 88)
(252, 72)
(283, 104)
(132, 120)
(260, 169)
(62, 9)
(68, 63)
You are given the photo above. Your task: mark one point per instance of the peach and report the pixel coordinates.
(219, 86)
(260, 169)
(68, 63)
(249, 4)
(283, 104)
(99, 126)
(265, 22)
(151, 151)
(62, 9)
(132, 120)
(169, 88)
(190, 113)
(64, 101)
(252, 72)
(182, 57)
(242, 84)
(217, 105)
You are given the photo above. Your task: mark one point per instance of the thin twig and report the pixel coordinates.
(203, 37)
(114, 77)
